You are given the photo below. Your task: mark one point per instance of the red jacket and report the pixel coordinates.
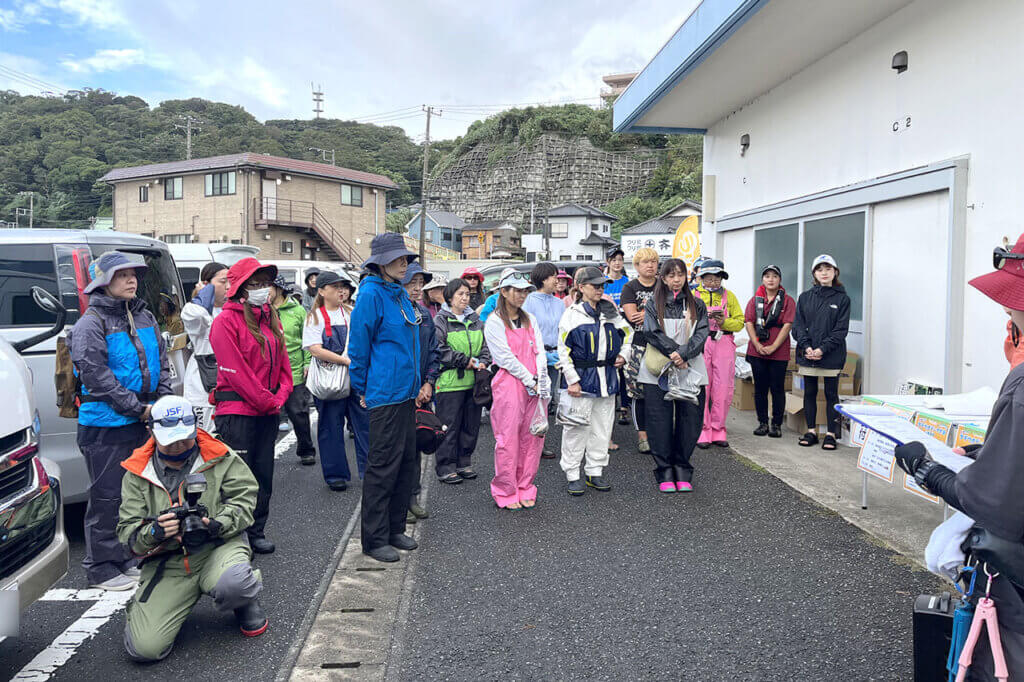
(246, 369)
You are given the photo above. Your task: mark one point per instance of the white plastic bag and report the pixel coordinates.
(327, 381)
(683, 384)
(743, 368)
(539, 421)
(573, 411)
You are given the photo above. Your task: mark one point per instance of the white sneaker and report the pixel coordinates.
(133, 573)
(285, 426)
(119, 583)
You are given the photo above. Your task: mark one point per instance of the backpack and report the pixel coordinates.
(429, 431)
(65, 379)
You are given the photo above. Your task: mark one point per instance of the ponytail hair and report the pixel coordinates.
(662, 292)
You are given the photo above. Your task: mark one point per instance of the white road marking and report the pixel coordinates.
(50, 659)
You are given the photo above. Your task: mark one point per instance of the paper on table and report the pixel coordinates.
(876, 456)
(902, 431)
(977, 402)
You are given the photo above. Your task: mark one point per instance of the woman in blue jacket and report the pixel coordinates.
(384, 349)
(120, 357)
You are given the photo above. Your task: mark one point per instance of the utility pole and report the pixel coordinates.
(323, 153)
(531, 214)
(31, 209)
(547, 235)
(188, 127)
(318, 100)
(423, 186)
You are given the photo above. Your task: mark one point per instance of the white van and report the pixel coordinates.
(190, 259)
(295, 270)
(58, 261)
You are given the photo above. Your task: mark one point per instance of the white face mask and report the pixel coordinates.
(258, 297)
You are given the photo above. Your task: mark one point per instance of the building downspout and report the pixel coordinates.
(375, 200)
(245, 211)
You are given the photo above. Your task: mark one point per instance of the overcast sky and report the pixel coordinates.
(376, 61)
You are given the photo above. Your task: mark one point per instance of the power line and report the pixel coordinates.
(29, 79)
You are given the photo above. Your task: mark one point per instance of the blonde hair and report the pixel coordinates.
(645, 254)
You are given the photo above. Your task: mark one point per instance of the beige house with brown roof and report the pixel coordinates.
(289, 208)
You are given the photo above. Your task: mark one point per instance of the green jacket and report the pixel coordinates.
(230, 496)
(458, 342)
(293, 318)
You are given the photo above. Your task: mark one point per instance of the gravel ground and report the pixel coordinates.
(742, 580)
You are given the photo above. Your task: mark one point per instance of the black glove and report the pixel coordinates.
(156, 531)
(911, 456)
(215, 527)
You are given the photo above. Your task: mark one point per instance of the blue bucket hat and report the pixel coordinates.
(713, 267)
(103, 268)
(387, 247)
(413, 270)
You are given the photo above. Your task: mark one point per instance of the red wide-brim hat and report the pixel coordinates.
(1006, 285)
(240, 272)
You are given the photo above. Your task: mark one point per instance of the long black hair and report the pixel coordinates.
(662, 292)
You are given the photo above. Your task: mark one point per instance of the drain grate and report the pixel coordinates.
(338, 665)
(358, 610)
(371, 568)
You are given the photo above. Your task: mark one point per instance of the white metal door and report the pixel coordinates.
(907, 285)
(269, 199)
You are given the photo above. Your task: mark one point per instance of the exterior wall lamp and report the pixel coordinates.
(744, 143)
(899, 61)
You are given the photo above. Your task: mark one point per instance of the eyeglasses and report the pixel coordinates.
(516, 275)
(171, 422)
(1001, 254)
(417, 315)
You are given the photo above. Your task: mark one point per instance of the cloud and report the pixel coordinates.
(107, 60)
(103, 14)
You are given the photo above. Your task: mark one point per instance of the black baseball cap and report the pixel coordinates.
(592, 275)
(774, 268)
(614, 251)
(326, 278)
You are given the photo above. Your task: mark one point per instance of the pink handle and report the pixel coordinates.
(984, 614)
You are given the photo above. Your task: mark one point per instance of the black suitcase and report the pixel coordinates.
(933, 632)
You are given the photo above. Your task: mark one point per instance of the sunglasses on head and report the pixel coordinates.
(171, 422)
(1001, 254)
(517, 275)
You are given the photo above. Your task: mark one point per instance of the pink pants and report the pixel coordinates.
(720, 359)
(516, 451)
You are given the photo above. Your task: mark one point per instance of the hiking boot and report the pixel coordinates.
(402, 542)
(119, 583)
(338, 485)
(547, 454)
(252, 621)
(576, 488)
(307, 460)
(261, 545)
(775, 431)
(761, 430)
(598, 483)
(387, 553)
(416, 510)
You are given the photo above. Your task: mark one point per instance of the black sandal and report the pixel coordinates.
(829, 442)
(451, 479)
(808, 439)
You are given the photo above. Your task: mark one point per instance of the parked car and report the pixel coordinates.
(33, 547)
(58, 262)
(190, 259)
(493, 272)
(295, 270)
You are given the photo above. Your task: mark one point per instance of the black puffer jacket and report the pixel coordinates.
(822, 321)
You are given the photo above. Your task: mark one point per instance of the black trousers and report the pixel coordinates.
(390, 472)
(253, 438)
(297, 409)
(639, 414)
(461, 414)
(811, 403)
(673, 427)
(769, 375)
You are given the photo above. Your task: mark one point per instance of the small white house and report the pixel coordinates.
(578, 232)
(886, 133)
(658, 233)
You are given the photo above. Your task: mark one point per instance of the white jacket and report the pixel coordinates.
(197, 325)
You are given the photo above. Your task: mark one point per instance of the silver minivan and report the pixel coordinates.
(58, 261)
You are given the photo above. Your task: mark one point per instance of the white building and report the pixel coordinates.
(578, 232)
(883, 132)
(658, 233)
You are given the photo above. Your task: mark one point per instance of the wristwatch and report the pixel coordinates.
(921, 475)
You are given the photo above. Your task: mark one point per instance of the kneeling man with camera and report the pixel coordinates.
(185, 501)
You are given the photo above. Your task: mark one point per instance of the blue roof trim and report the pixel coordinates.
(662, 130)
(706, 29)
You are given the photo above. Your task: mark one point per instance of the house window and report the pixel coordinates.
(446, 235)
(429, 235)
(604, 228)
(565, 257)
(143, 193)
(595, 227)
(219, 184)
(287, 247)
(351, 195)
(559, 230)
(236, 241)
(172, 188)
(177, 238)
(473, 241)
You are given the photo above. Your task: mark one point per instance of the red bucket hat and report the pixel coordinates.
(240, 272)
(472, 272)
(1005, 286)
(562, 274)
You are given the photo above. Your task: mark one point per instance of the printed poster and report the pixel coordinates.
(967, 434)
(936, 427)
(877, 458)
(911, 486)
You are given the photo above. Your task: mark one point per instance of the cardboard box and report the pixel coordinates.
(795, 420)
(743, 395)
(849, 378)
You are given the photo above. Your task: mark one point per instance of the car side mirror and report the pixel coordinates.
(47, 301)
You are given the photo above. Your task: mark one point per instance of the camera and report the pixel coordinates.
(194, 533)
